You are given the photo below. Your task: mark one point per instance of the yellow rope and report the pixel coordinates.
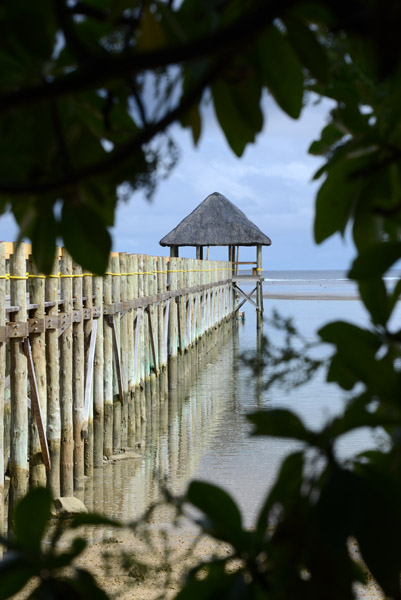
(71, 275)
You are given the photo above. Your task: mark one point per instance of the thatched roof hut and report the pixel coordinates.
(216, 222)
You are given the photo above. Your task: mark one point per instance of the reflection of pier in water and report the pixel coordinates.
(179, 431)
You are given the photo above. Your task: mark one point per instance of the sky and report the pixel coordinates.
(270, 183)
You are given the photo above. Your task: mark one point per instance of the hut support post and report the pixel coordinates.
(259, 287)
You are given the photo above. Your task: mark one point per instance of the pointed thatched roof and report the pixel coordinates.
(216, 222)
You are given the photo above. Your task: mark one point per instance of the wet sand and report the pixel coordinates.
(159, 580)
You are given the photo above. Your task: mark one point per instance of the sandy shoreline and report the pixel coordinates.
(287, 296)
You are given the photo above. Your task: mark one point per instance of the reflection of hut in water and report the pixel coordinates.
(217, 222)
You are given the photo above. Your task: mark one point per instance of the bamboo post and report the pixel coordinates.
(142, 338)
(98, 388)
(37, 471)
(132, 287)
(153, 329)
(67, 445)
(116, 295)
(78, 377)
(161, 312)
(52, 376)
(137, 325)
(2, 379)
(88, 325)
(18, 382)
(172, 325)
(147, 349)
(181, 302)
(108, 367)
(124, 347)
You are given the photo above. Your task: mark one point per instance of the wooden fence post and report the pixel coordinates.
(117, 400)
(98, 388)
(88, 400)
(124, 319)
(18, 382)
(142, 338)
(108, 366)
(52, 376)
(67, 444)
(78, 378)
(2, 379)
(132, 293)
(37, 471)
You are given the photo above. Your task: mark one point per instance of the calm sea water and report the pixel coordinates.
(202, 431)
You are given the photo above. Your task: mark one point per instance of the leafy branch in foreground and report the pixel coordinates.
(33, 556)
(289, 364)
(85, 107)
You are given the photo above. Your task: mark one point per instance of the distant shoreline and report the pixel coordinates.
(287, 296)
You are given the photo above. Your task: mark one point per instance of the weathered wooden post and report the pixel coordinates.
(88, 401)
(132, 294)
(67, 443)
(37, 471)
(18, 380)
(117, 384)
(78, 378)
(124, 347)
(142, 339)
(52, 376)
(2, 376)
(137, 324)
(108, 365)
(98, 366)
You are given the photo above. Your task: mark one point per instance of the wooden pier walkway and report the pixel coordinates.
(80, 353)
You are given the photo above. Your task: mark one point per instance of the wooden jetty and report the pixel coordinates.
(83, 358)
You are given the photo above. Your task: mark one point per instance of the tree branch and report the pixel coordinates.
(105, 69)
(122, 153)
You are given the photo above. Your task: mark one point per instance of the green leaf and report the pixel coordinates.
(93, 519)
(193, 120)
(336, 198)
(374, 296)
(44, 236)
(285, 490)
(357, 415)
(151, 33)
(281, 71)
(33, 26)
(32, 515)
(375, 261)
(222, 512)
(65, 559)
(15, 572)
(238, 111)
(85, 237)
(329, 136)
(306, 46)
(395, 296)
(356, 354)
(279, 423)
